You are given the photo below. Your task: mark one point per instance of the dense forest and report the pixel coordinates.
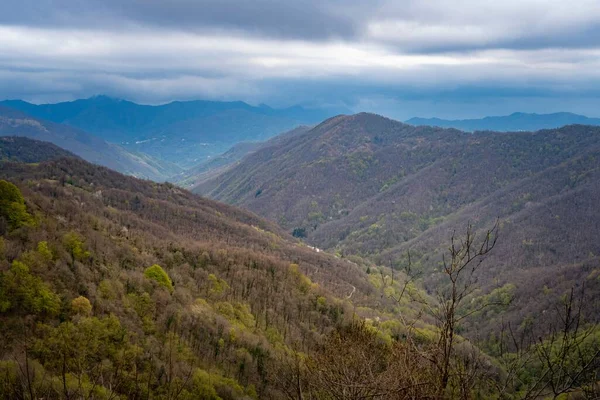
(373, 187)
(114, 287)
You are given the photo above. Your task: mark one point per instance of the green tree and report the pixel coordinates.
(88, 356)
(45, 252)
(157, 274)
(12, 206)
(201, 387)
(21, 291)
(74, 243)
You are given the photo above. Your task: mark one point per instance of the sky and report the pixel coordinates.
(402, 58)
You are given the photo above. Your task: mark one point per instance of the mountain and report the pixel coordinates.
(129, 288)
(182, 132)
(222, 163)
(514, 122)
(369, 186)
(85, 145)
(115, 287)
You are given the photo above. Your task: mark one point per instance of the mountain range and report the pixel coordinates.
(184, 133)
(85, 145)
(370, 186)
(112, 286)
(514, 122)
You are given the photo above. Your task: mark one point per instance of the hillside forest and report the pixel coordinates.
(112, 287)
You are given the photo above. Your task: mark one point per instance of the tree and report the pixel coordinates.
(22, 292)
(91, 356)
(12, 206)
(81, 306)
(75, 245)
(553, 358)
(356, 363)
(299, 232)
(201, 387)
(157, 274)
(466, 256)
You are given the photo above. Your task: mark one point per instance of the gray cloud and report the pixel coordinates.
(410, 25)
(347, 52)
(272, 18)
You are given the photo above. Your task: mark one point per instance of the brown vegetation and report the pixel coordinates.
(369, 186)
(112, 287)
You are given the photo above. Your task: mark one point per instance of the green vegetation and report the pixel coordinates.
(389, 188)
(157, 274)
(12, 207)
(81, 316)
(299, 232)
(248, 313)
(74, 244)
(81, 305)
(22, 292)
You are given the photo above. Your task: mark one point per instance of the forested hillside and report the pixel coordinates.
(374, 187)
(113, 287)
(21, 149)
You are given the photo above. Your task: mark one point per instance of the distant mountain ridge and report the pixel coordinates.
(181, 132)
(89, 147)
(514, 122)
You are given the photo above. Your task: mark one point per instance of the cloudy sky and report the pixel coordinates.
(401, 58)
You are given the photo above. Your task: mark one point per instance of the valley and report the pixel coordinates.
(299, 200)
(186, 297)
(376, 188)
(183, 133)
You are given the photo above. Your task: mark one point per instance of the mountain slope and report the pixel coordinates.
(184, 133)
(89, 147)
(115, 287)
(22, 149)
(371, 186)
(136, 287)
(513, 122)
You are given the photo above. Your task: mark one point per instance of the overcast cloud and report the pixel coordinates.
(401, 58)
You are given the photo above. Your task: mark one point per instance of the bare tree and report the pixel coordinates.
(566, 355)
(466, 256)
(354, 364)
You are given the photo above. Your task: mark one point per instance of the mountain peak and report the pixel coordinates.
(371, 120)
